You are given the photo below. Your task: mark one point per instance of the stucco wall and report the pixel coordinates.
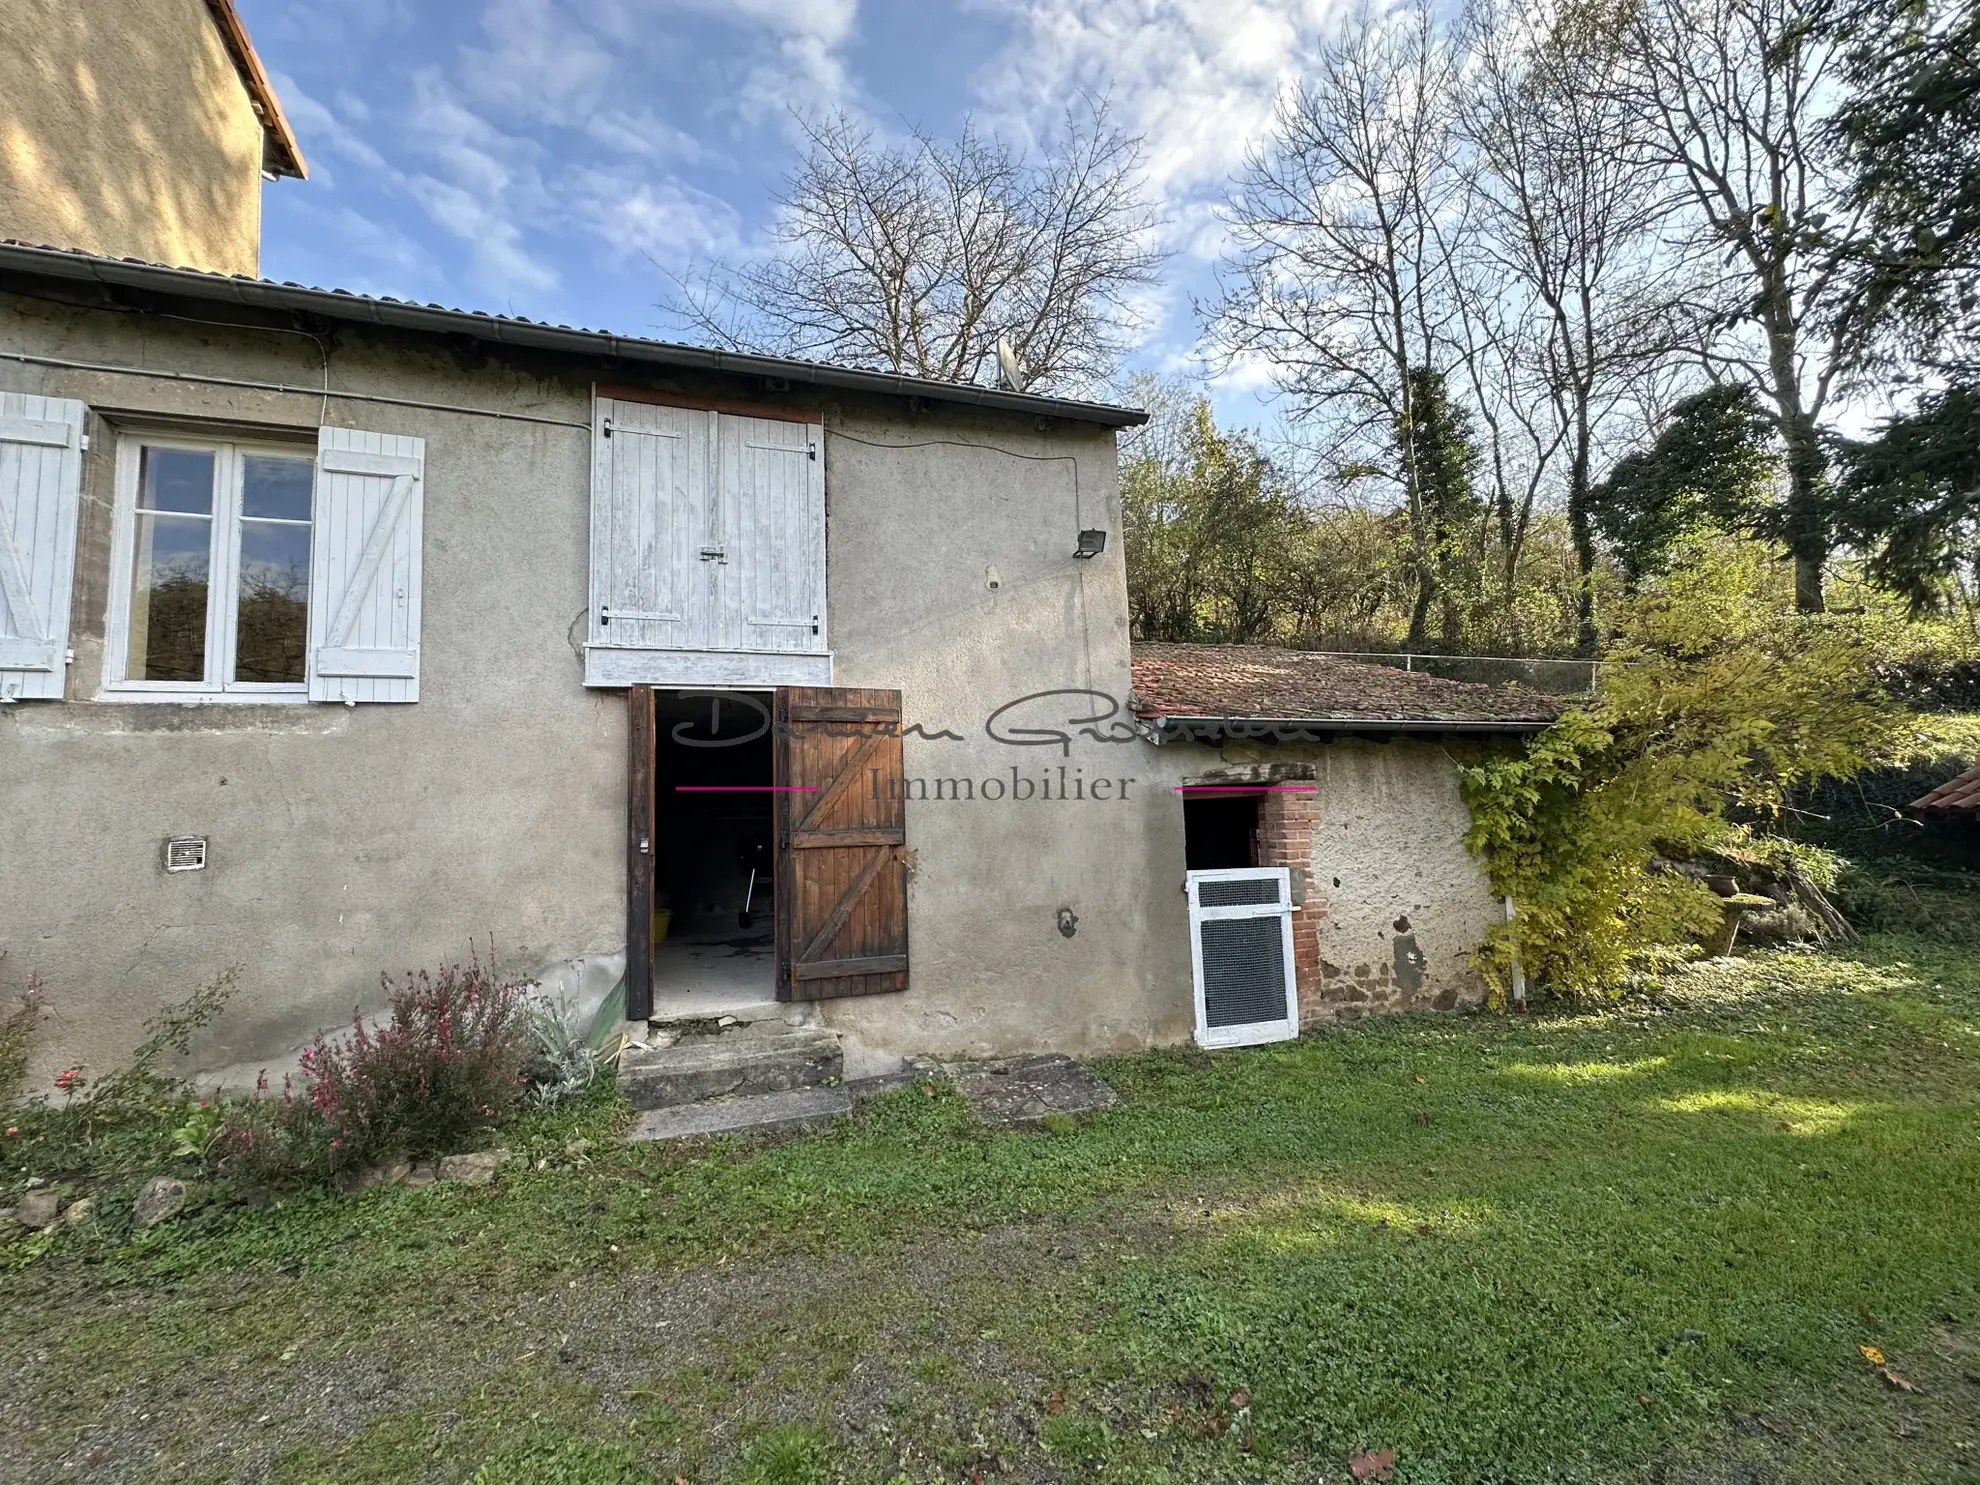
(346, 841)
(125, 130)
(1400, 903)
(914, 536)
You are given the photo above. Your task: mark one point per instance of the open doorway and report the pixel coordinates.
(713, 859)
(1220, 831)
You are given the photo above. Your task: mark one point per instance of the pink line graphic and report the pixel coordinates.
(746, 788)
(1246, 788)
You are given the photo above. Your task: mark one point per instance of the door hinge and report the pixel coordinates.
(714, 554)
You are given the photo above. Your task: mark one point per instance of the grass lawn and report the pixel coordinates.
(1636, 1246)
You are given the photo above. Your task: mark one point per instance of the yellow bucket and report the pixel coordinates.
(661, 918)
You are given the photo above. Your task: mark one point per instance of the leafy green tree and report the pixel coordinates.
(1436, 441)
(1711, 463)
(1909, 133)
(1910, 500)
(1212, 535)
(1718, 700)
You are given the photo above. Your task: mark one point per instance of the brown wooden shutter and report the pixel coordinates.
(642, 759)
(841, 844)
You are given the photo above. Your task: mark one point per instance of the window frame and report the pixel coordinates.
(223, 571)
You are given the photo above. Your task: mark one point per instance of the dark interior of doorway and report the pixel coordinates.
(713, 851)
(1220, 831)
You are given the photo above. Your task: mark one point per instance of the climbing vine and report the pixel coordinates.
(1717, 699)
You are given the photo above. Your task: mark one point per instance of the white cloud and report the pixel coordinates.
(322, 132)
(1198, 79)
(665, 220)
(539, 63)
(569, 122)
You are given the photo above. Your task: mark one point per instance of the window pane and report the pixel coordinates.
(176, 479)
(273, 631)
(168, 598)
(276, 488)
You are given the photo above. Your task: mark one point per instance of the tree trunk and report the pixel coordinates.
(1807, 522)
(1582, 530)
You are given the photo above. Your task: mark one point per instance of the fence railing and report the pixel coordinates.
(1555, 677)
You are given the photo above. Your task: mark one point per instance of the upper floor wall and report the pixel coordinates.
(136, 129)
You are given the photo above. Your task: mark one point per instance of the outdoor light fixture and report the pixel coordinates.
(1091, 544)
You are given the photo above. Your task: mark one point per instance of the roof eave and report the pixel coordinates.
(257, 293)
(282, 154)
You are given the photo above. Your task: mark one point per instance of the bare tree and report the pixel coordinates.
(918, 257)
(1734, 94)
(1568, 301)
(1340, 278)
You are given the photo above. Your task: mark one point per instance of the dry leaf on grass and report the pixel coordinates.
(1872, 1355)
(1374, 1464)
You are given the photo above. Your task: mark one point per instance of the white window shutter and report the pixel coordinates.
(773, 504)
(648, 526)
(364, 567)
(41, 441)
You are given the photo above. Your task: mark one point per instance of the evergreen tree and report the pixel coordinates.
(1711, 464)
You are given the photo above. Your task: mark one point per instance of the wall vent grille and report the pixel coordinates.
(185, 853)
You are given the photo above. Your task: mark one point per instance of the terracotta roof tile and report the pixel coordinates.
(1956, 796)
(1267, 683)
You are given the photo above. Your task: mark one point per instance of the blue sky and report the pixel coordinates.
(553, 158)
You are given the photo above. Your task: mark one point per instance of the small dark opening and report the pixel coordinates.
(1220, 831)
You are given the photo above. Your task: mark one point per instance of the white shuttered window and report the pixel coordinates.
(707, 549)
(210, 567)
(40, 492)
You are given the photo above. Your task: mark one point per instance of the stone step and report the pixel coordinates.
(766, 1058)
(758, 1113)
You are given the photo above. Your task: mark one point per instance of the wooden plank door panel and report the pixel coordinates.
(841, 844)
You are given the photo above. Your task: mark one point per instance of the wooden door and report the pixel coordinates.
(841, 844)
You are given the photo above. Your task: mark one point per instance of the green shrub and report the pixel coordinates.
(262, 1141)
(1900, 896)
(450, 1061)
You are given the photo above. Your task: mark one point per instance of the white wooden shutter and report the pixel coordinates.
(40, 493)
(364, 567)
(773, 520)
(649, 474)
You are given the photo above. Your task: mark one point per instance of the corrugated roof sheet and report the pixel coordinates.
(1956, 796)
(436, 319)
(1266, 683)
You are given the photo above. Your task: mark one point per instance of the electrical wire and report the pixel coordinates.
(285, 387)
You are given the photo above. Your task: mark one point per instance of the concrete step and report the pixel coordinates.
(766, 1057)
(758, 1113)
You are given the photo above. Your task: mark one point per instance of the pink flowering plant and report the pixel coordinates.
(261, 1140)
(449, 1059)
(19, 1020)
